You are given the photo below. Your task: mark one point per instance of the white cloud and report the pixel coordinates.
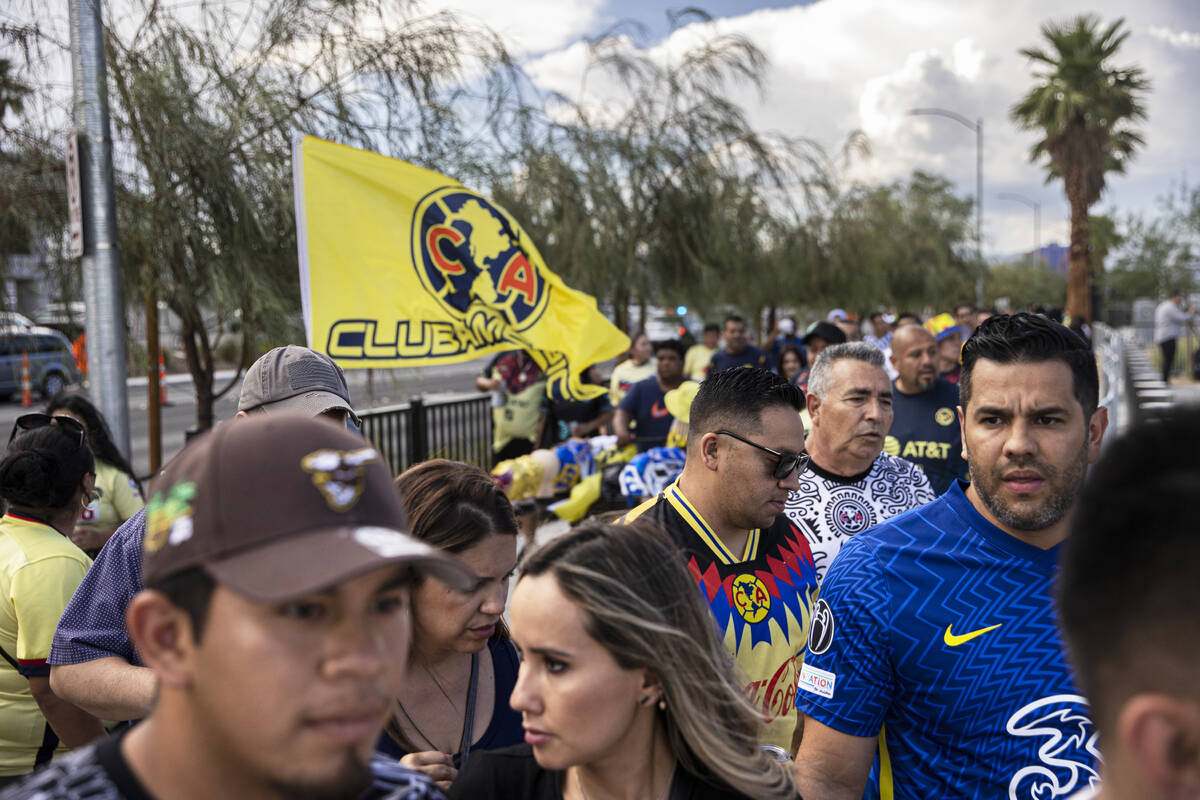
(1177, 38)
(528, 26)
(839, 65)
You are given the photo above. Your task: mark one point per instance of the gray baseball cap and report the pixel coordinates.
(294, 378)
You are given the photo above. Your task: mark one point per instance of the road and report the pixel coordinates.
(382, 387)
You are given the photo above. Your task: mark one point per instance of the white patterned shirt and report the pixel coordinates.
(837, 507)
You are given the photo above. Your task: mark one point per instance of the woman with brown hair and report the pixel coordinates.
(625, 689)
(462, 665)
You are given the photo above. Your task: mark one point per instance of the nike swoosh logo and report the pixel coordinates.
(954, 641)
(658, 411)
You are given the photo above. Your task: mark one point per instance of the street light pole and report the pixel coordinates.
(976, 126)
(1037, 215)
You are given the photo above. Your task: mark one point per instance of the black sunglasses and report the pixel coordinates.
(30, 422)
(785, 464)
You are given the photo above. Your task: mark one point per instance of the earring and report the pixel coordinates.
(662, 704)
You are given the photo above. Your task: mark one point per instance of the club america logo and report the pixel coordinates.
(849, 514)
(468, 254)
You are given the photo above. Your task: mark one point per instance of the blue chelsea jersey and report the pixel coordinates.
(935, 632)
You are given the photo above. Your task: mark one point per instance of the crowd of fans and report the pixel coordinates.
(858, 583)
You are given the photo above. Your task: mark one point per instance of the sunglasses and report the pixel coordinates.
(30, 422)
(785, 464)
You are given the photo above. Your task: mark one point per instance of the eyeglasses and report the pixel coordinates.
(30, 422)
(786, 463)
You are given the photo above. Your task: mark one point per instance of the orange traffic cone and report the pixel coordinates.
(26, 382)
(162, 380)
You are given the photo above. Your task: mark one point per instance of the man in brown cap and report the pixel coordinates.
(93, 661)
(276, 618)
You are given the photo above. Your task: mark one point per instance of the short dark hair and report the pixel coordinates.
(963, 304)
(671, 344)
(1136, 526)
(908, 315)
(42, 468)
(735, 398)
(712, 327)
(1024, 337)
(734, 318)
(190, 591)
(875, 315)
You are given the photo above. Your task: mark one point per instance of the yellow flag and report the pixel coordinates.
(401, 267)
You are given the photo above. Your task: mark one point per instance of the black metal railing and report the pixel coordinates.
(407, 433)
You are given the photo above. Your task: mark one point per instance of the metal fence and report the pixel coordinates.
(407, 433)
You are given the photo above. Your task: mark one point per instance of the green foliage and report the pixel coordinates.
(206, 113)
(1158, 255)
(1025, 283)
(907, 243)
(1085, 113)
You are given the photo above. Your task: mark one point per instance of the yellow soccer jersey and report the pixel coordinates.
(39, 571)
(118, 499)
(762, 601)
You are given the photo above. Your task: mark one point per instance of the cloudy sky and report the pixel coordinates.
(841, 65)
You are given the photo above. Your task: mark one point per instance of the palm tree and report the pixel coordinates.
(1084, 110)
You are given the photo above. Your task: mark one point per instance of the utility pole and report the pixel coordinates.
(101, 267)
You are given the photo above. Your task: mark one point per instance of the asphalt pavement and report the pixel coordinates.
(381, 387)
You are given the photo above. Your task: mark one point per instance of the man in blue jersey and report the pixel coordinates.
(924, 428)
(738, 351)
(642, 416)
(1135, 651)
(934, 668)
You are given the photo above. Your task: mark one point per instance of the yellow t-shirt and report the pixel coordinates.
(118, 499)
(518, 418)
(39, 571)
(695, 363)
(626, 374)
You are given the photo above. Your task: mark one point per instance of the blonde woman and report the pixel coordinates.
(624, 689)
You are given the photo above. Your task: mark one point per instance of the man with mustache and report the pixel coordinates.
(924, 428)
(851, 484)
(941, 673)
(751, 563)
(276, 620)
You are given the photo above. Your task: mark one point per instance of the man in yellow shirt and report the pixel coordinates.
(695, 363)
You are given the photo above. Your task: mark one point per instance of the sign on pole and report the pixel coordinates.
(74, 195)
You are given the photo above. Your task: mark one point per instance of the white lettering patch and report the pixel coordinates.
(817, 681)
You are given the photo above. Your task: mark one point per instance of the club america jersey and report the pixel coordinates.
(935, 633)
(761, 600)
(837, 507)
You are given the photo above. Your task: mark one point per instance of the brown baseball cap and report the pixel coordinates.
(280, 506)
(295, 378)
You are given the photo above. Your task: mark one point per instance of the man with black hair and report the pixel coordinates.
(642, 415)
(725, 512)
(276, 619)
(938, 671)
(94, 663)
(738, 351)
(925, 429)
(1132, 651)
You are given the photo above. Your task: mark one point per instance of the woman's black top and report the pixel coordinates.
(513, 773)
(505, 728)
